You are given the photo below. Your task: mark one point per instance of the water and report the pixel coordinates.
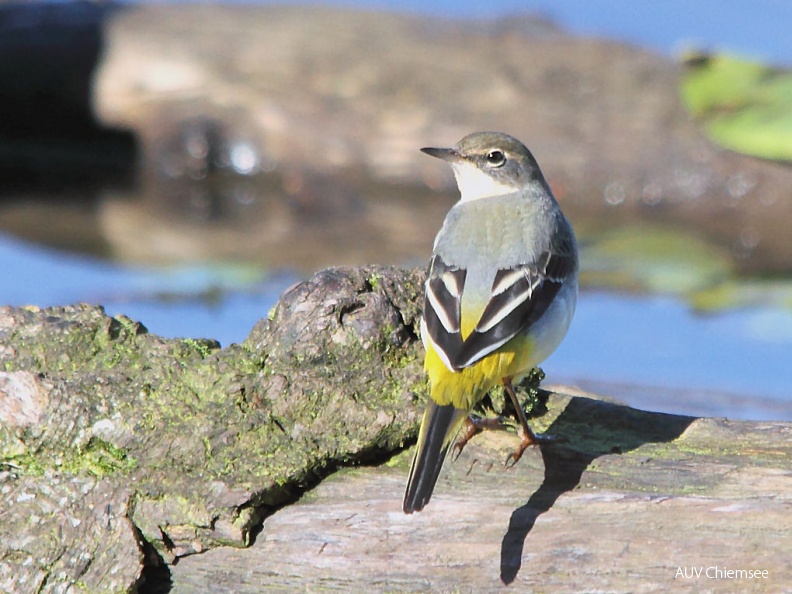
(218, 301)
(656, 352)
(649, 351)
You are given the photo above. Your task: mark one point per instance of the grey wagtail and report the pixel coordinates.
(500, 293)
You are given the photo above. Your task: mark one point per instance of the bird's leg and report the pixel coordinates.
(527, 437)
(474, 426)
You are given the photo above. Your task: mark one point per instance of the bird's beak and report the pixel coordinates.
(446, 154)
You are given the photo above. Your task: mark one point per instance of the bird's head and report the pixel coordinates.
(488, 164)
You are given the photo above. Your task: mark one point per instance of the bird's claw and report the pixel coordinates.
(513, 458)
(457, 450)
(531, 439)
(474, 426)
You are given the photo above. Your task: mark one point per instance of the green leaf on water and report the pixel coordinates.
(744, 106)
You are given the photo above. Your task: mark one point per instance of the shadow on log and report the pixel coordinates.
(593, 428)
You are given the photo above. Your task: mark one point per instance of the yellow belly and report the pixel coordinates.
(466, 387)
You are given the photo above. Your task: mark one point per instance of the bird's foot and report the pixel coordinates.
(474, 426)
(527, 439)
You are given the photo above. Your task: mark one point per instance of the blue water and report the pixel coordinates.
(193, 301)
(734, 363)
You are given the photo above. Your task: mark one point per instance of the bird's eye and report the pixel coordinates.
(496, 158)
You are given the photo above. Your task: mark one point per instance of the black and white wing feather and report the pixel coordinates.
(519, 296)
(443, 307)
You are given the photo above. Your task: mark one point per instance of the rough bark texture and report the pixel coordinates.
(122, 452)
(112, 436)
(632, 498)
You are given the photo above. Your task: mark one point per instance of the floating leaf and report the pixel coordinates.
(745, 106)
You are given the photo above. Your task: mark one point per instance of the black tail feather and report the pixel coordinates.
(438, 428)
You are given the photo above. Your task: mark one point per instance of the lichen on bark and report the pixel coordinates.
(203, 441)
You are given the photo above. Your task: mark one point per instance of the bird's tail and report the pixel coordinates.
(439, 427)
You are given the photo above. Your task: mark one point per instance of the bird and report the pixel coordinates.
(500, 294)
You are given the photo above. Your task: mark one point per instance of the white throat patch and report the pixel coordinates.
(474, 184)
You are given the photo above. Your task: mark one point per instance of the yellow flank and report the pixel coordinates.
(466, 387)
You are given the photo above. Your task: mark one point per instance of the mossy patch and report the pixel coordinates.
(97, 458)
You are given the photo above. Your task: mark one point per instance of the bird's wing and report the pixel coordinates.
(519, 296)
(443, 308)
